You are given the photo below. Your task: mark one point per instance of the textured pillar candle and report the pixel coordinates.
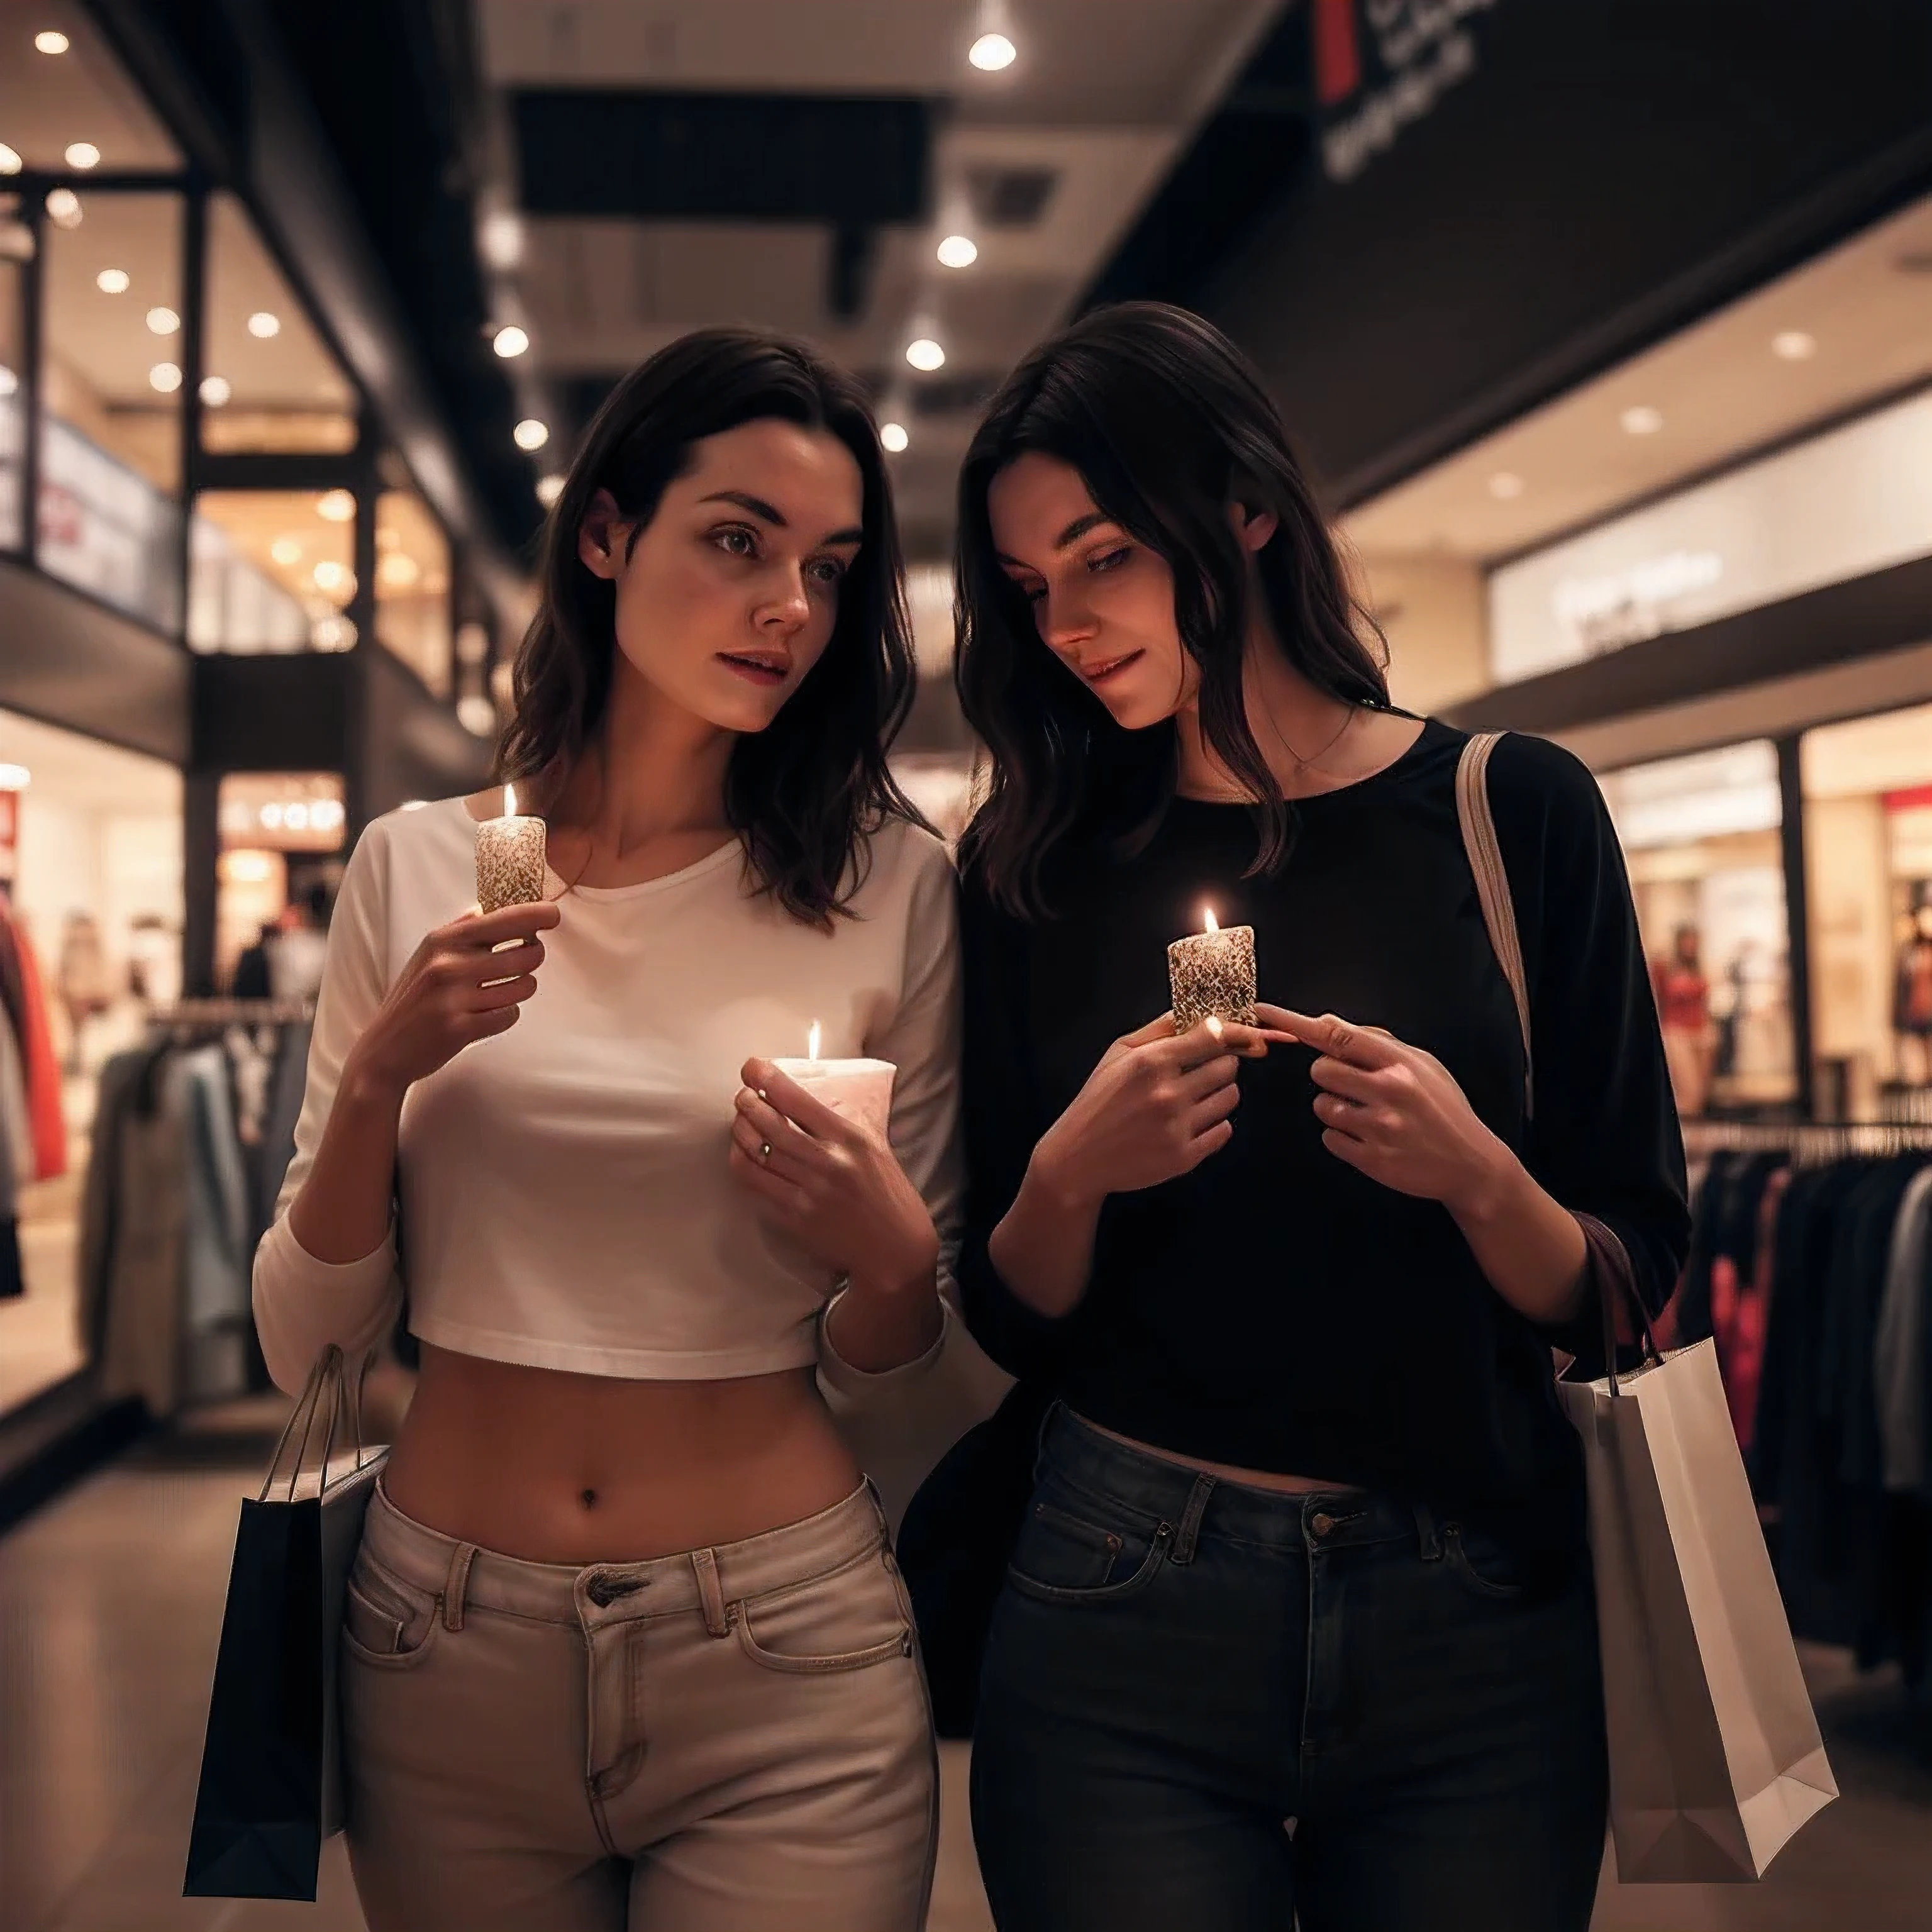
(1213, 972)
(861, 1090)
(509, 858)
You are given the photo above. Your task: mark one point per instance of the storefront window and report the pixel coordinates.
(110, 454)
(271, 570)
(1868, 866)
(281, 835)
(271, 384)
(413, 587)
(91, 887)
(1702, 838)
(12, 380)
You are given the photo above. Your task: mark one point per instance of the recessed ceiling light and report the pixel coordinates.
(1505, 484)
(549, 488)
(166, 377)
(1641, 420)
(335, 506)
(163, 321)
(10, 160)
(286, 550)
(958, 251)
(530, 433)
(82, 154)
(924, 353)
(264, 324)
(894, 437)
(476, 715)
(398, 571)
(215, 391)
(510, 341)
(503, 238)
(992, 52)
(64, 207)
(51, 42)
(1794, 345)
(330, 575)
(112, 281)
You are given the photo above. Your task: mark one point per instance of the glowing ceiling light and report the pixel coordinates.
(265, 324)
(923, 353)
(286, 550)
(64, 208)
(10, 160)
(894, 437)
(549, 488)
(10, 383)
(530, 433)
(51, 42)
(15, 777)
(398, 571)
(992, 52)
(215, 391)
(113, 281)
(332, 577)
(510, 340)
(335, 506)
(163, 321)
(958, 251)
(165, 376)
(82, 154)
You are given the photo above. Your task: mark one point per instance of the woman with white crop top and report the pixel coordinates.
(624, 1646)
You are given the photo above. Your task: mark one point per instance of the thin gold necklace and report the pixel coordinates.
(1313, 764)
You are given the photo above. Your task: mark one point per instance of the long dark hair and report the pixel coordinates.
(806, 793)
(1168, 424)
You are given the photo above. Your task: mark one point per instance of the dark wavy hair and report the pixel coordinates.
(806, 793)
(1169, 425)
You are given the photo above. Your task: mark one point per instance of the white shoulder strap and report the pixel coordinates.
(1493, 886)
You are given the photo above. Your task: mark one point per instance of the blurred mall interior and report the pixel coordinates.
(1606, 329)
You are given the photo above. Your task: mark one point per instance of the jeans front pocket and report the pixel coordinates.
(846, 1620)
(1065, 1555)
(1492, 1572)
(386, 1622)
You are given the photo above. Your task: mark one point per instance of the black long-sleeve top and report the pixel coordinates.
(1275, 1309)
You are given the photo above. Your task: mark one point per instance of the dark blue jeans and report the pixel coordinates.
(1209, 1707)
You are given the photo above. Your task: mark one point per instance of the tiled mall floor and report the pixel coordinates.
(110, 1604)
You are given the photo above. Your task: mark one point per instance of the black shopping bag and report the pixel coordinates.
(271, 1789)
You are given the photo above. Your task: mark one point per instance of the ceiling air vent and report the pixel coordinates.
(1010, 197)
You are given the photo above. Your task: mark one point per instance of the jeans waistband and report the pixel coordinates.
(1193, 1504)
(704, 1580)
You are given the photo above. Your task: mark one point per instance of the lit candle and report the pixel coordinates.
(861, 1090)
(509, 858)
(1213, 972)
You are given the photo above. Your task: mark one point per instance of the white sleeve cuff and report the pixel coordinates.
(839, 1374)
(302, 1304)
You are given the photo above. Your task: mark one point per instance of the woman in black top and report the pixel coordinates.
(1299, 1621)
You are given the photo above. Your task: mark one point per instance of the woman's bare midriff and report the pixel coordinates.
(1226, 1472)
(555, 1467)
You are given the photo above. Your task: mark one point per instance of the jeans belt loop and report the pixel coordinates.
(1428, 1533)
(1190, 1532)
(709, 1595)
(456, 1584)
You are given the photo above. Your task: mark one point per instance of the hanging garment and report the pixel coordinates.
(215, 1316)
(16, 1121)
(277, 1149)
(1899, 1352)
(43, 1070)
(99, 1200)
(13, 1279)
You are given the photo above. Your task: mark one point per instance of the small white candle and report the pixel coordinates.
(1213, 972)
(509, 858)
(861, 1090)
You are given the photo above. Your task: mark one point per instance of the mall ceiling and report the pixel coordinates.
(602, 175)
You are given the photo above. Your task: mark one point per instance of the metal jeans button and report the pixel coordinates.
(1321, 1522)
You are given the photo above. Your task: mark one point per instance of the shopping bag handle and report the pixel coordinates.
(1613, 1276)
(328, 1377)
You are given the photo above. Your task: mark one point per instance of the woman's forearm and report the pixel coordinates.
(878, 1327)
(1043, 1249)
(1527, 1243)
(342, 1213)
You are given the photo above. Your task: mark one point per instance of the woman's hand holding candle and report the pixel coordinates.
(833, 1184)
(456, 989)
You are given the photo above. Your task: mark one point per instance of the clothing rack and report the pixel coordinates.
(232, 1013)
(1810, 1143)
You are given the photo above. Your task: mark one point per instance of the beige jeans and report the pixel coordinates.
(725, 1741)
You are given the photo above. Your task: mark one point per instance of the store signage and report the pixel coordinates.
(1621, 607)
(1382, 65)
(1855, 500)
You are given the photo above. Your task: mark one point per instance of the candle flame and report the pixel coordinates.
(509, 801)
(1213, 924)
(812, 1041)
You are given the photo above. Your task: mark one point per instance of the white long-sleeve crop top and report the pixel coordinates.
(565, 1196)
